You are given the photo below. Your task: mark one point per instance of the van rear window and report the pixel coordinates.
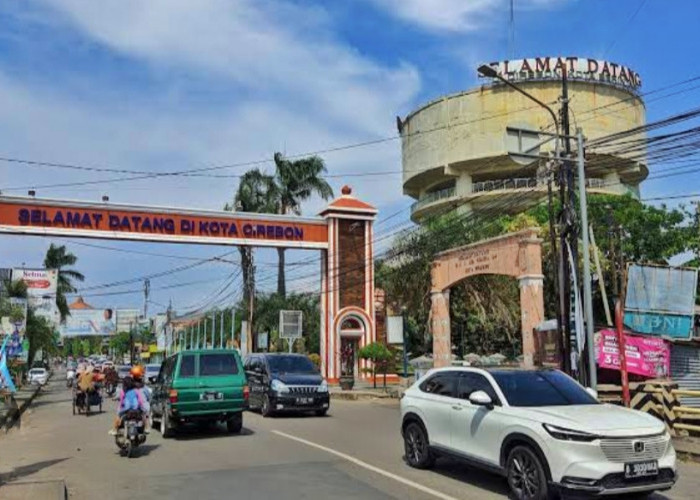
(217, 364)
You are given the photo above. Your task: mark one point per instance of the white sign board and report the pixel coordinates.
(290, 324)
(262, 340)
(41, 291)
(394, 330)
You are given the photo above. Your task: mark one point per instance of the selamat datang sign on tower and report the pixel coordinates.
(577, 68)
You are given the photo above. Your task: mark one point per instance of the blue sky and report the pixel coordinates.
(163, 85)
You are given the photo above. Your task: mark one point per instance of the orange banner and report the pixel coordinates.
(146, 224)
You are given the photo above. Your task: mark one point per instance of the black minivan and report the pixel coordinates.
(285, 382)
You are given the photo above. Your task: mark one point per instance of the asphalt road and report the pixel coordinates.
(354, 453)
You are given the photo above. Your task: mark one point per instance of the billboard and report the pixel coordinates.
(89, 322)
(41, 291)
(649, 357)
(13, 324)
(661, 300)
(126, 318)
(159, 322)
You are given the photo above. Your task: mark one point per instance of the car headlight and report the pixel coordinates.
(323, 387)
(569, 434)
(279, 386)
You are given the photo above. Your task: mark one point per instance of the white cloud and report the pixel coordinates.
(457, 16)
(293, 86)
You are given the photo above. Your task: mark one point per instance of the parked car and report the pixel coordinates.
(539, 428)
(38, 376)
(152, 372)
(284, 383)
(207, 385)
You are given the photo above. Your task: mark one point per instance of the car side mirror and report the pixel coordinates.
(480, 398)
(592, 392)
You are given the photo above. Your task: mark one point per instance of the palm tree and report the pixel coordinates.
(296, 181)
(58, 258)
(256, 193)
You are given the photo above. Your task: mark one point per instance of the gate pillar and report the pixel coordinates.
(440, 323)
(347, 281)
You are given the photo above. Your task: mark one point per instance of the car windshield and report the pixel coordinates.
(290, 364)
(36, 372)
(152, 368)
(541, 388)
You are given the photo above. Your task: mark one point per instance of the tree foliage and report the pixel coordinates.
(267, 310)
(379, 355)
(57, 257)
(485, 310)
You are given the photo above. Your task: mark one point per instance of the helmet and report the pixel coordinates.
(136, 372)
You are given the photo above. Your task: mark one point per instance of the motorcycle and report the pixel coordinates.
(110, 389)
(130, 434)
(70, 378)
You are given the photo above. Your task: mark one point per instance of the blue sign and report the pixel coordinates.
(661, 300)
(660, 325)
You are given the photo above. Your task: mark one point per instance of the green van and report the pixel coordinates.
(203, 385)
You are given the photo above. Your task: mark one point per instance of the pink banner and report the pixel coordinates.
(646, 356)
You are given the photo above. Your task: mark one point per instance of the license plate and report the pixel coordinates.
(211, 396)
(641, 469)
(305, 401)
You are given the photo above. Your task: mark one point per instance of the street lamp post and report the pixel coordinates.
(490, 72)
(405, 344)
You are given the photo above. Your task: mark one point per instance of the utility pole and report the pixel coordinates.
(221, 329)
(587, 294)
(146, 293)
(131, 343)
(564, 231)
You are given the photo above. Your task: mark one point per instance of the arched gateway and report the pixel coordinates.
(516, 254)
(342, 232)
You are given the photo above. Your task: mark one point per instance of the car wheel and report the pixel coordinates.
(526, 476)
(166, 429)
(234, 425)
(266, 409)
(416, 447)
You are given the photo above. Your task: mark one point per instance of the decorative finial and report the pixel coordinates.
(346, 190)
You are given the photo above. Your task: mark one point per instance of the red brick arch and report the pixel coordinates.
(516, 254)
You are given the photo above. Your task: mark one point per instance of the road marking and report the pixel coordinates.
(367, 466)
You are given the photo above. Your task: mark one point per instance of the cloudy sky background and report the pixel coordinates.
(168, 85)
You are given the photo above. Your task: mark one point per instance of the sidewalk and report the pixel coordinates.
(687, 447)
(23, 398)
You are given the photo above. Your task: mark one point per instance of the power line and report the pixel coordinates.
(619, 32)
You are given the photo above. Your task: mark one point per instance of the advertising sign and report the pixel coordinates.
(646, 356)
(394, 329)
(13, 325)
(49, 217)
(126, 318)
(661, 300)
(41, 291)
(159, 329)
(89, 322)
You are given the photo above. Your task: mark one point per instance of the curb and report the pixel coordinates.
(360, 396)
(688, 451)
(12, 416)
(36, 490)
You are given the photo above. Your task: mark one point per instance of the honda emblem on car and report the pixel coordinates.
(639, 446)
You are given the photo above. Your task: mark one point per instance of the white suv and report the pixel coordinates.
(539, 428)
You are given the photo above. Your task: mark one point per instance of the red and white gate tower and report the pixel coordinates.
(342, 232)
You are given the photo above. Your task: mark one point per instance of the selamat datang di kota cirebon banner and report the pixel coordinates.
(89, 323)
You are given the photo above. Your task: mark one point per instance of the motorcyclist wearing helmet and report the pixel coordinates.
(131, 398)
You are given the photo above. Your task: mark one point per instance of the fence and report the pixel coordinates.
(660, 398)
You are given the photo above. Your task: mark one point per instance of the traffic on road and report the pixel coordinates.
(535, 434)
